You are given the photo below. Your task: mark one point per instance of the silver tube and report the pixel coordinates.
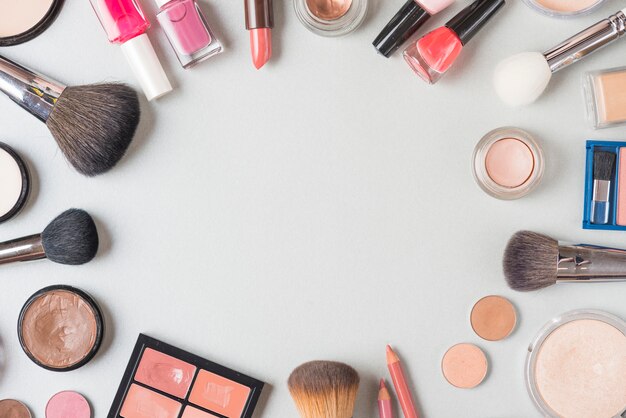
(586, 42)
(22, 249)
(583, 263)
(28, 89)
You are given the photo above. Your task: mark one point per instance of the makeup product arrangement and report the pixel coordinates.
(61, 328)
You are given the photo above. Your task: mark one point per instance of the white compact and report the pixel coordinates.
(14, 183)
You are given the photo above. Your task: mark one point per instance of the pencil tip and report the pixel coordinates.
(389, 349)
(382, 384)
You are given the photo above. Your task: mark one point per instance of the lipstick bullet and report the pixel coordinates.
(260, 21)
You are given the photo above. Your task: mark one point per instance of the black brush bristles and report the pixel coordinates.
(94, 125)
(324, 389)
(603, 165)
(71, 238)
(530, 261)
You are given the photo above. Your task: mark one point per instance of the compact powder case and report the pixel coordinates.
(15, 183)
(576, 366)
(56, 308)
(564, 8)
(508, 163)
(23, 20)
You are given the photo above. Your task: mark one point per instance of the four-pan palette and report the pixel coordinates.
(166, 382)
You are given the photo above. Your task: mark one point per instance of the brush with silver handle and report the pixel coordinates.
(520, 79)
(92, 124)
(533, 261)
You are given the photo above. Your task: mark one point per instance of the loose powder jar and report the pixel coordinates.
(23, 20)
(576, 366)
(60, 328)
(331, 17)
(14, 183)
(508, 163)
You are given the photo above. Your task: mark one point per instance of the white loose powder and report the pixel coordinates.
(581, 370)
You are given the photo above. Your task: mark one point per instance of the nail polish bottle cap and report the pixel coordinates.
(470, 20)
(146, 65)
(406, 22)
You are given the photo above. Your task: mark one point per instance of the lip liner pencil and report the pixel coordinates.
(384, 401)
(399, 382)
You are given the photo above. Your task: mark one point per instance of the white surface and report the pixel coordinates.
(317, 209)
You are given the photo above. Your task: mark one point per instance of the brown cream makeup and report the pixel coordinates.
(23, 20)
(60, 328)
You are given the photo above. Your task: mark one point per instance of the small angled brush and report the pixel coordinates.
(603, 169)
(71, 238)
(324, 389)
(534, 261)
(92, 124)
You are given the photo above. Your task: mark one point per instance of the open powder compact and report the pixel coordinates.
(23, 20)
(576, 366)
(14, 183)
(564, 8)
(60, 328)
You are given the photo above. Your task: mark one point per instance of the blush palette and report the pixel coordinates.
(166, 382)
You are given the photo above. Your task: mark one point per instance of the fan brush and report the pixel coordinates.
(71, 238)
(92, 124)
(534, 261)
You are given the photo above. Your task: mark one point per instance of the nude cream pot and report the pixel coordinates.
(23, 20)
(60, 328)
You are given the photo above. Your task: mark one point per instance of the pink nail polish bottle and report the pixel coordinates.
(187, 31)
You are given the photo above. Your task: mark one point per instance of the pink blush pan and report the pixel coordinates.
(68, 404)
(509, 162)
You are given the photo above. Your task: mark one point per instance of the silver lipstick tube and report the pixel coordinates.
(586, 42)
(22, 249)
(583, 263)
(28, 89)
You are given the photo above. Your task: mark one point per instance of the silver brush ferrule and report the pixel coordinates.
(28, 89)
(22, 249)
(582, 263)
(584, 43)
(601, 190)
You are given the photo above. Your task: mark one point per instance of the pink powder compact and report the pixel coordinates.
(576, 366)
(508, 163)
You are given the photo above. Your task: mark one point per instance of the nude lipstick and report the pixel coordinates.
(260, 21)
(434, 54)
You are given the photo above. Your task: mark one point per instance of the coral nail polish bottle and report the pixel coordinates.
(187, 30)
(433, 54)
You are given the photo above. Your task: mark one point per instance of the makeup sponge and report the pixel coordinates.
(519, 80)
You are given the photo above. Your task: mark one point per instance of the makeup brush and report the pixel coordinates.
(71, 238)
(519, 80)
(324, 389)
(603, 168)
(92, 124)
(533, 261)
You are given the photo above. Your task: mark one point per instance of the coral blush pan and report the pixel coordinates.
(260, 21)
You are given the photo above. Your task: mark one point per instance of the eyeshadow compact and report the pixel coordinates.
(575, 366)
(605, 186)
(10, 408)
(15, 184)
(56, 308)
(23, 20)
(166, 382)
(604, 97)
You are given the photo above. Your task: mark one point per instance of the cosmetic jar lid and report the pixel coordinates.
(470, 20)
(340, 26)
(259, 14)
(536, 346)
(497, 178)
(146, 65)
(544, 8)
(405, 23)
(14, 184)
(92, 327)
(29, 32)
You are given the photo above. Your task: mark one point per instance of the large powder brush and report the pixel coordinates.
(92, 124)
(534, 261)
(71, 238)
(324, 389)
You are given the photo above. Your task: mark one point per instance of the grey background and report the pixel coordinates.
(317, 209)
